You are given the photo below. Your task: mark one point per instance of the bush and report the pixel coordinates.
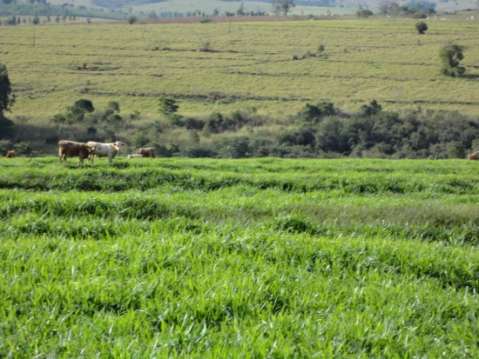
(315, 113)
(371, 109)
(364, 13)
(421, 27)
(301, 137)
(237, 148)
(199, 151)
(451, 56)
(331, 136)
(168, 105)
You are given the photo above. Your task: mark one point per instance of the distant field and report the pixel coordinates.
(208, 6)
(250, 65)
(249, 258)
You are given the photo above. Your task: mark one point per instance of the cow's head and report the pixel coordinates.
(119, 145)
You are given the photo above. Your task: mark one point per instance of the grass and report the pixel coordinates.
(239, 258)
(251, 66)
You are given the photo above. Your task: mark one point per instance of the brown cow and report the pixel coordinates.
(71, 149)
(146, 152)
(11, 154)
(474, 156)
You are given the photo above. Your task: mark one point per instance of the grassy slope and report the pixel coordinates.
(209, 6)
(210, 258)
(382, 59)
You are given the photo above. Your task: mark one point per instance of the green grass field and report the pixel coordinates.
(250, 66)
(239, 258)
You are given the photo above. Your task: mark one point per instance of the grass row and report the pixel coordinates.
(329, 175)
(248, 292)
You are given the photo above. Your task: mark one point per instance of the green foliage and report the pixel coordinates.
(451, 56)
(96, 124)
(315, 113)
(364, 13)
(371, 109)
(168, 106)
(283, 6)
(7, 98)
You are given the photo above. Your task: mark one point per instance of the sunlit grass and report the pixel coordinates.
(239, 258)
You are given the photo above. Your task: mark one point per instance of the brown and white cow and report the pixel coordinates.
(474, 156)
(146, 152)
(11, 154)
(73, 149)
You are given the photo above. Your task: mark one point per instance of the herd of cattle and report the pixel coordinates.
(92, 149)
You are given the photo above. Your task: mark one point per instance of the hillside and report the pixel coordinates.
(241, 66)
(302, 6)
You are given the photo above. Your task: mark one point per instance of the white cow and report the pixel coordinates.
(109, 150)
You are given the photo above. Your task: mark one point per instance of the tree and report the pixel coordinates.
(283, 6)
(168, 106)
(7, 99)
(84, 105)
(371, 109)
(36, 20)
(315, 113)
(132, 20)
(451, 56)
(76, 113)
(364, 13)
(421, 27)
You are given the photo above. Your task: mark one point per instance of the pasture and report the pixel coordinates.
(242, 66)
(239, 258)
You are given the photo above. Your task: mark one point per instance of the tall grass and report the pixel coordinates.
(178, 267)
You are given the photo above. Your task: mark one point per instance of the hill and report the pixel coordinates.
(302, 6)
(233, 66)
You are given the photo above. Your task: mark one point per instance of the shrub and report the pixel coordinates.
(237, 148)
(421, 27)
(168, 105)
(193, 124)
(331, 137)
(315, 113)
(301, 137)
(371, 109)
(451, 56)
(364, 13)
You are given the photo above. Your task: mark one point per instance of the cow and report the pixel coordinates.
(109, 150)
(473, 156)
(146, 152)
(11, 154)
(72, 149)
